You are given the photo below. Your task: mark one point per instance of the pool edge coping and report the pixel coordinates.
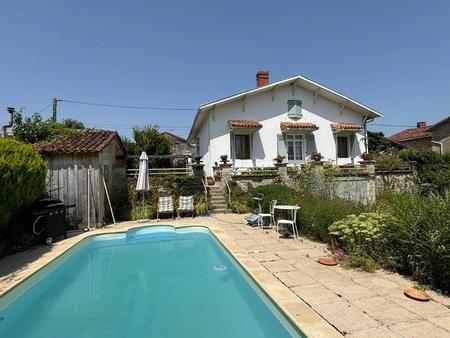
(315, 326)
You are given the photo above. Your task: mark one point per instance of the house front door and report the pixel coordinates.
(295, 149)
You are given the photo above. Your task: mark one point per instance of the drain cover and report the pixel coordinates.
(219, 267)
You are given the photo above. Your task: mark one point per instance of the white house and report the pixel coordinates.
(293, 117)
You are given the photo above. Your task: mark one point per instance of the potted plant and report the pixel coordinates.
(279, 158)
(316, 157)
(197, 159)
(224, 159)
(367, 156)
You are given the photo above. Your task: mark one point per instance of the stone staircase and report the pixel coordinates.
(219, 204)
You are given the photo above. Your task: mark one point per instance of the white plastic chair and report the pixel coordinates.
(270, 215)
(290, 222)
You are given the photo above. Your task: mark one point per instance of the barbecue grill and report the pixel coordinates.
(50, 218)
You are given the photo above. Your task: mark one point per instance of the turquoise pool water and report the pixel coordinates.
(148, 282)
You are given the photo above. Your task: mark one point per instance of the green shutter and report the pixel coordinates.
(310, 144)
(352, 145)
(281, 145)
(232, 152)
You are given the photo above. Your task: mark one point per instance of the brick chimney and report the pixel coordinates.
(262, 78)
(421, 125)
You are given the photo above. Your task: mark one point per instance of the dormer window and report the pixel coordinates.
(294, 109)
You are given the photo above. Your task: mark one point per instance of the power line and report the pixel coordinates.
(391, 125)
(125, 106)
(45, 108)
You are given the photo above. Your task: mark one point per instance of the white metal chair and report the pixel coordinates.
(186, 205)
(270, 215)
(290, 222)
(165, 206)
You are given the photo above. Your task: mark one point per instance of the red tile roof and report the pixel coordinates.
(411, 133)
(346, 126)
(86, 141)
(298, 125)
(244, 124)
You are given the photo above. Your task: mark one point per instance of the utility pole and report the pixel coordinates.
(55, 103)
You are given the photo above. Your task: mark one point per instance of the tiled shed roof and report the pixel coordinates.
(86, 141)
(346, 126)
(244, 124)
(411, 133)
(298, 125)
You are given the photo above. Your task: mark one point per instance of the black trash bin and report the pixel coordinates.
(50, 219)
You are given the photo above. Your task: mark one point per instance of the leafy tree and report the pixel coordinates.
(148, 139)
(34, 129)
(377, 142)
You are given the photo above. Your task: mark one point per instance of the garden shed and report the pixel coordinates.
(81, 165)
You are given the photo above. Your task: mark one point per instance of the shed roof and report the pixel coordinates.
(85, 141)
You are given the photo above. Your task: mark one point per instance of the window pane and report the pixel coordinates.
(342, 142)
(290, 150)
(298, 151)
(242, 146)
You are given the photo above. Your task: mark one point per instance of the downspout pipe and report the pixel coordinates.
(366, 140)
(11, 111)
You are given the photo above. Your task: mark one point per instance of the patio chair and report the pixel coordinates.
(270, 215)
(165, 206)
(290, 222)
(186, 205)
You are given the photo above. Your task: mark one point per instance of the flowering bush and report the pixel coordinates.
(363, 232)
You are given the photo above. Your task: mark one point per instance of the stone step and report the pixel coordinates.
(221, 211)
(219, 205)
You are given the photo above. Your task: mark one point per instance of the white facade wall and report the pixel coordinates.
(214, 134)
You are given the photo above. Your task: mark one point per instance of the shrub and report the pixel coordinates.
(317, 213)
(388, 160)
(22, 177)
(240, 201)
(418, 237)
(280, 192)
(365, 263)
(147, 211)
(202, 204)
(433, 169)
(363, 233)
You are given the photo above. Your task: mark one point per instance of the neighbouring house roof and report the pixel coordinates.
(437, 124)
(346, 126)
(409, 134)
(85, 141)
(168, 133)
(298, 125)
(300, 81)
(244, 124)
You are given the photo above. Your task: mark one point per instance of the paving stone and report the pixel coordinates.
(316, 294)
(348, 289)
(264, 256)
(345, 317)
(442, 321)
(279, 266)
(385, 310)
(379, 285)
(423, 309)
(419, 329)
(381, 331)
(295, 278)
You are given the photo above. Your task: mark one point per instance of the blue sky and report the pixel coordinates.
(393, 56)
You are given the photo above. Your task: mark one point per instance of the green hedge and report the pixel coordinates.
(22, 177)
(276, 191)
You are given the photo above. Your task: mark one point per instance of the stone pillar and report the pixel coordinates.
(226, 169)
(282, 169)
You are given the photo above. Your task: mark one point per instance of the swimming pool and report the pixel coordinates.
(148, 282)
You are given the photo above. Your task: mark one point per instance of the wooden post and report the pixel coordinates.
(55, 103)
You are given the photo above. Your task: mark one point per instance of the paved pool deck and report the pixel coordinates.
(322, 301)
